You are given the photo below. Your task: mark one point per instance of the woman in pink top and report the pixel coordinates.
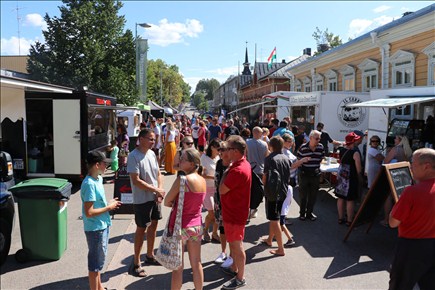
(191, 223)
(201, 137)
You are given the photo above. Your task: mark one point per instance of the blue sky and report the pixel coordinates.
(207, 39)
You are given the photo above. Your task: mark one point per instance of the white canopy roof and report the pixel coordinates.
(393, 102)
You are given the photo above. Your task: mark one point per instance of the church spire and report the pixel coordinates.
(246, 70)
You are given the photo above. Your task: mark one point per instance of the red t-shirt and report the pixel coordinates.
(416, 211)
(235, 204)
(201, 138)
(271, 131)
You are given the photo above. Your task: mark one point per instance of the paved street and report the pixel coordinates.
(319, 261)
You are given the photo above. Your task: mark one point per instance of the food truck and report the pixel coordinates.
(63, 128)
(400, 111)
(329, 108)
(48, 129)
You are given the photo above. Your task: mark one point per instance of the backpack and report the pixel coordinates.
(273, 185)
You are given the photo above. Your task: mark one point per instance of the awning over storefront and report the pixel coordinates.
(250, 106)
(393, 102)
(117, 108)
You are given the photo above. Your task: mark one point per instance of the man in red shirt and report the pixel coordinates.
(414, 214)
(235, 191)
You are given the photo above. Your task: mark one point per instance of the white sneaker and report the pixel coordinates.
(253, 213)
(221, 258)
(228, 262)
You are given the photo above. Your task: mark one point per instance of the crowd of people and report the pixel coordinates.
(221, 159)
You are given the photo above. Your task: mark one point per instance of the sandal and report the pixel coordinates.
(151, 261)
(138, 271)
(348, 223)
(341, 221)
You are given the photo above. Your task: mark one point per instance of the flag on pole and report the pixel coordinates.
(272, 57)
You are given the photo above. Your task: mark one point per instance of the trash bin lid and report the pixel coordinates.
(48, 183)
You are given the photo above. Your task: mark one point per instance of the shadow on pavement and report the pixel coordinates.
(13, 265)
(362, 253)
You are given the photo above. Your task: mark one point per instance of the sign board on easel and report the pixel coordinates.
(392, 179)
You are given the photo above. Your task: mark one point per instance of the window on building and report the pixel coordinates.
(370, 72)
(403, 67)
(298, 86)
(331, 77)
(307, 84)
(348, 73)
(430, 52)
(319, 82)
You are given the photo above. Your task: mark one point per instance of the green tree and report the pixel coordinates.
(166, 79)
(325, 40)
(208, 86)
(86, 46)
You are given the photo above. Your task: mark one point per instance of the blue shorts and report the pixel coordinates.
(97, 245)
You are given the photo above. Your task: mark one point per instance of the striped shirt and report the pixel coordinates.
(316, 156)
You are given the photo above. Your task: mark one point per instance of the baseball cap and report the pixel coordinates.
(359, 133)
(97, 156)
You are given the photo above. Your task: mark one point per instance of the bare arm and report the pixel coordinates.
(90, 211)
(148, 187)
(223, 189)
(379, 157)
(173, 193)
(299, 162)
(394, 223)
(357, 162)
(390, 155)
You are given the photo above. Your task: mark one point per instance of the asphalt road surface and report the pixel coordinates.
(320, 259)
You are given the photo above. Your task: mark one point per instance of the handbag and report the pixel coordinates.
(343, 178)
(170, 251)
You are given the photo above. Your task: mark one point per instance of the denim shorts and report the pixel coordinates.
(97, 245)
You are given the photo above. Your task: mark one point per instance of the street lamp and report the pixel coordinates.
(142, 90)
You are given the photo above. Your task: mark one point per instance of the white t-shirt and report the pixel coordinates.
(195, 129)
(292, 158)
(209, 168)
(287, 202)
(172, 135)
(159, 139)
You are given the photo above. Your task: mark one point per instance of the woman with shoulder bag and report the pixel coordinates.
(349, 179)
(191, 221)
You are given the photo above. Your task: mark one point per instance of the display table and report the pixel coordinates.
(328, 170)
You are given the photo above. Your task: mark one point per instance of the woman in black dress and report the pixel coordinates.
(349, 180)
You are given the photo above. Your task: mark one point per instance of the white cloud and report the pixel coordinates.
(36, 20)
(358, 27)
(166, 33)
(226, 71)
(381, 8)
(12, 46)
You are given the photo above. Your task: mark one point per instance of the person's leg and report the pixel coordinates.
(313, 189)
(239, 258)
(207, 223)
(194, 250)
(284, 229)
(340, 210)
(276, 229)
(177, 275)
(151, 236)
(93, 280)
(100, 284)
(303, 195)
(138, 243)
(350, 207)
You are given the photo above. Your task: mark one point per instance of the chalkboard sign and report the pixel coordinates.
(123, 192)
(392, 179)
(399, 176)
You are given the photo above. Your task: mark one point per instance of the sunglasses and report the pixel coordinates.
(377, 141)
(188, 143)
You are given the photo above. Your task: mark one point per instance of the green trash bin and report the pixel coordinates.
(42, 209)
